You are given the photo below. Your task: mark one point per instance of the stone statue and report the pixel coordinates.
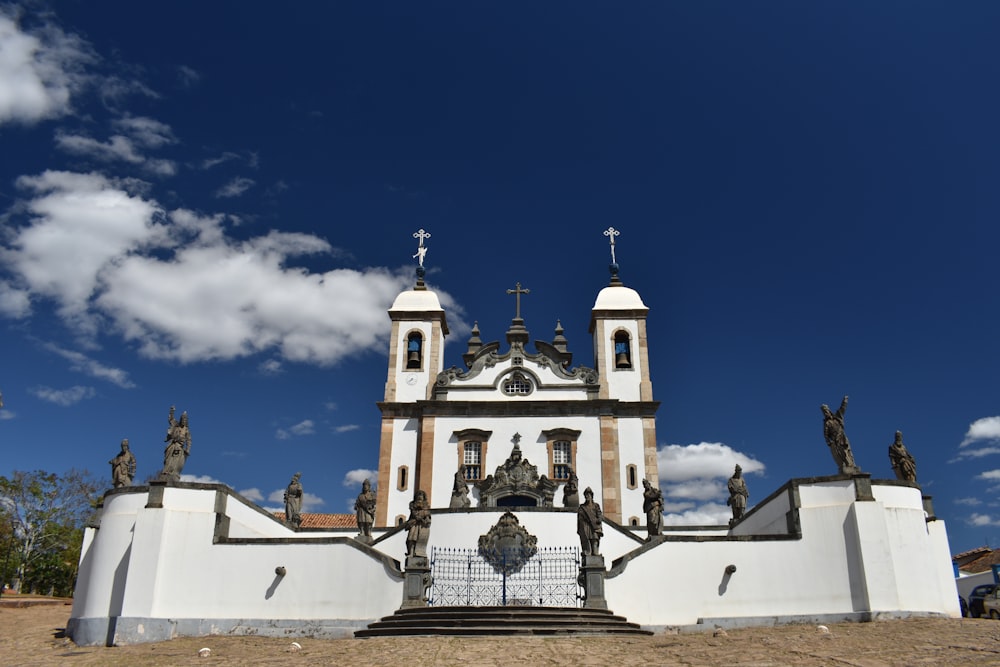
(418, 526)
(178, 447)
(836, 438)
(364, 508)
(902, 461)
(293, 501)
(571, 490)
(122, 467)
(738, 494)
(460, 490)
(590, 524)
(652, 505)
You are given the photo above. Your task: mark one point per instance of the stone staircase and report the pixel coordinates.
(501, 621)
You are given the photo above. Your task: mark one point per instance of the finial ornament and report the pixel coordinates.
(420, 235)
(517, 292)
(611, 233)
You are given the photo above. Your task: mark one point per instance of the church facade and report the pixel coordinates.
(597, 424)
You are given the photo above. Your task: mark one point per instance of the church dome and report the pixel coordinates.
(618, 297)
(416, 300)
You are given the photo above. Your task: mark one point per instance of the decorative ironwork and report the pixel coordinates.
(548, 578)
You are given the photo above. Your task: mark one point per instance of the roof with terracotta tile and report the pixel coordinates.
(324, 520)
(983, 563)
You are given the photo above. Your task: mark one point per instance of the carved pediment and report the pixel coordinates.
(519, 478)
(507, 546)
(488, 356)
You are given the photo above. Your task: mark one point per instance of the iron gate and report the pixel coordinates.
(545, 578)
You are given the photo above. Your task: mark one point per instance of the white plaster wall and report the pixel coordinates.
(533, 447)
(622, 384)
(631, 451)
(770, 518)
(410, 393)
(246, 521)
(404, 453)
(821, 494)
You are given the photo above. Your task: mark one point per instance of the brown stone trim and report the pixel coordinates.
(425, 458)
(651, 461)
(642, 349)
(551, 436)
(515, 408)
(610, 469)
(434, 356)
(384, 472)
(601, 362)
(436, 316)
(402, 478)
(405, 350)
(632, 476)
(393, 365)
(625, 314)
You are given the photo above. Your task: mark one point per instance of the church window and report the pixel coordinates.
(472, 445)
(400, 519)
(561, 459)
(414, 351)
(403, 478)
(633, 521)
(517, 385)
(561, 443)
(473, 460)
(632, 476)
(623, 350)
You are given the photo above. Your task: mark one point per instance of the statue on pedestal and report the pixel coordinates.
(418, 526)
(738, 494)
(571, 490)
(590, 524)
(460, 490)
(903, 463)
(293, 501)
(364, 508)
(123, 467)
(652, 505)
(836, 438)
(178, 447)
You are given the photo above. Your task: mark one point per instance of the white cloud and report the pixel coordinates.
(310, 501)
(976, 453)
(270, 367)
(64, 397)
(989, 474)
(179, 287)
(982, 520)
(40, 69)
(987, 428)
(356, 477)
(346, 428)
(235, 187)
(83, 364)
(200, 479)
(187, 76)
(693, 478)
(709, 514)
(304, 427)
(6, 414)
(705, 460)
(14, 302)
(968, 501)
(208, 163)
(282, 434)
(120, 148)
(253, 495)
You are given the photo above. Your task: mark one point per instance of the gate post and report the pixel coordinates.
(592, 580)
(416, 582)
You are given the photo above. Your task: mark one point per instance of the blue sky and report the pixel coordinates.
(212, 206)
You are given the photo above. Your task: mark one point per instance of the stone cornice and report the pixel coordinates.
(520, 408)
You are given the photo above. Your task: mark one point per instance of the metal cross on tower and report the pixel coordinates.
(611, 233)
(421, 250)
(517, 292)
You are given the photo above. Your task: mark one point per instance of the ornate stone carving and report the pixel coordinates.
(516, 477)
(507, 546)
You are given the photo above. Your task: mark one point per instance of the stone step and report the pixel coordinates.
(500, 621)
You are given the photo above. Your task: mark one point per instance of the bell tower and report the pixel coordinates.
(621, 359)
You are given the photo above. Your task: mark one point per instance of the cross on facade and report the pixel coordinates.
(611, 233)
(517, 292)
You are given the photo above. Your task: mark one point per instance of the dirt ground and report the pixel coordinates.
(33, 636)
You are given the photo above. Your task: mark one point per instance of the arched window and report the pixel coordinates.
(414, 351)
(517, 385)
(403, 480)
(631, 475)
(623, 350)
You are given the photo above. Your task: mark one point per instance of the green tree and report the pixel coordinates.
(45, 514)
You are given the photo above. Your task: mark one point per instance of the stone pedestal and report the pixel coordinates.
(592, 578)
(365, 539)
(416, 582)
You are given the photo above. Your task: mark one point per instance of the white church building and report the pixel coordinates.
(514, 423)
